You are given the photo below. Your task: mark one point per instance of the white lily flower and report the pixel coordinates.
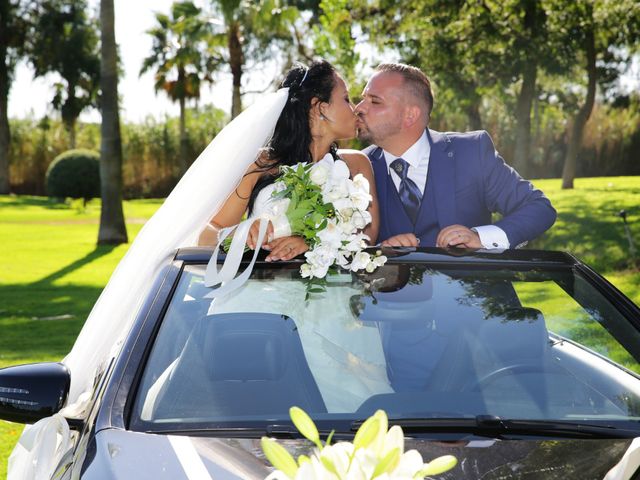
(410, 464)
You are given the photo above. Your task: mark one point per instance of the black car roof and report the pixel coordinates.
(426, 255)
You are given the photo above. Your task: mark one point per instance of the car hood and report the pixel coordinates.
(117, 454)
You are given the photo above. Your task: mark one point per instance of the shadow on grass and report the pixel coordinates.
(40, 320)
(98, 252)
(43, 202)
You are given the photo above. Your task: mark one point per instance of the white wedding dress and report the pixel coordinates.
(344, 356)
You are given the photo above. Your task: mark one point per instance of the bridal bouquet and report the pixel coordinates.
(374, 454)
(329, 210)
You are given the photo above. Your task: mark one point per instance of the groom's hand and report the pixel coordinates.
(401, 240)
(458, 236)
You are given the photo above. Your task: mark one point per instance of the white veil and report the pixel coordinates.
(177, 223)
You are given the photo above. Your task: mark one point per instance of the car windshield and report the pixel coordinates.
(417, 340)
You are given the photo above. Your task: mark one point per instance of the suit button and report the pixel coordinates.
(450, 154)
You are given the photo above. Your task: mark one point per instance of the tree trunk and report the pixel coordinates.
(236, 59)
(5, 133)
(70, 124)
(527, 93)
(523, 119)
(473, 116)
(580, 120)
(113, 230)
(184, 142)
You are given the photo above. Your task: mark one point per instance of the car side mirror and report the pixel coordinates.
(34, 391)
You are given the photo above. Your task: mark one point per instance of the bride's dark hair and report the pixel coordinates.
(291, 140)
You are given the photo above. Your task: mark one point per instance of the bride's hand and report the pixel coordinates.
(252, 239)
(286, 248)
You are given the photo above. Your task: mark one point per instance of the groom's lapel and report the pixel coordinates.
(441, 177)
(376, 155)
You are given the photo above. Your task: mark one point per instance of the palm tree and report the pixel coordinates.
(64, 40)
(112, 227)
(181, 59)
(248, 30)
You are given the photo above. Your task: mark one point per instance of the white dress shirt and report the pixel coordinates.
(417, 156)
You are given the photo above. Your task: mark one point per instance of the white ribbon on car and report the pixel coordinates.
(29, 461)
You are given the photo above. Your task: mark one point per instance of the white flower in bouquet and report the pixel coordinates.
(360, 200)
(320, 259)
(355, 242)
(339, 172)
(342, 258)
(331, 235)
(375, 453)
(360, 261)
(360, 219)
(319, 172)
(335, 191)
(359, 184)
(345, 207)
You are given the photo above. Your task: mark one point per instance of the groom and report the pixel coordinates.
(440, 189)
(436, 189)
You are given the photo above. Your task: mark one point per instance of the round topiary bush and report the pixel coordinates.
(75, 174)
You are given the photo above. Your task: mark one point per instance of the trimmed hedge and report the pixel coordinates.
(75, 174)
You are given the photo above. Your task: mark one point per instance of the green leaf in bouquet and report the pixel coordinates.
(315, 286)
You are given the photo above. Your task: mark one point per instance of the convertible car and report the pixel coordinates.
(521, 364)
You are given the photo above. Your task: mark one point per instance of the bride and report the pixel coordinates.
(316, 114)
(299, 123)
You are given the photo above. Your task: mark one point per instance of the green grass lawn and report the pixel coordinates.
(51, 271)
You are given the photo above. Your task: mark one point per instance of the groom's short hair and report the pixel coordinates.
(418, 84)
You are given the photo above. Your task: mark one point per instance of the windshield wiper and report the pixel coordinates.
(275, 431)
(497, 427)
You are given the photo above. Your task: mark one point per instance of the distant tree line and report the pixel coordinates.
(150, 166)
(543, 76)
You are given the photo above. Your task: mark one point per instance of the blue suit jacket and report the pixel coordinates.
(469, 181)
